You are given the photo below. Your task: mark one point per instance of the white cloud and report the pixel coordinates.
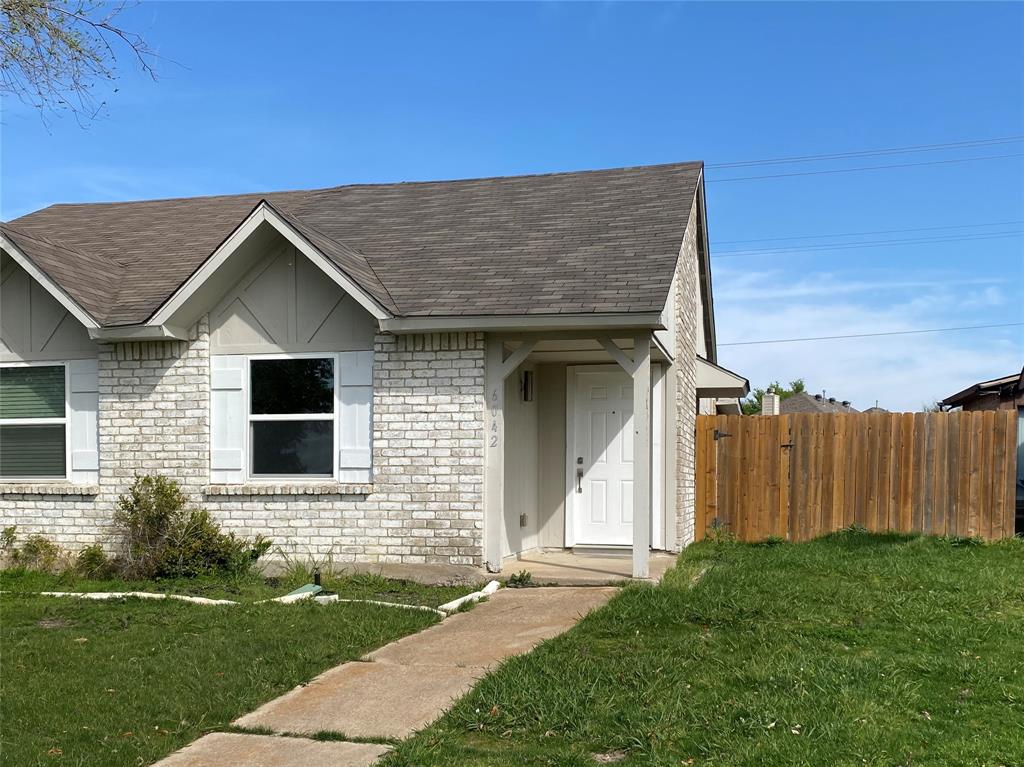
(900, 372)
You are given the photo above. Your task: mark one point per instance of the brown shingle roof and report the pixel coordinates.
(593, 241)
(803, 402)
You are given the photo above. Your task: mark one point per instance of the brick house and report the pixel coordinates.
(451, 372)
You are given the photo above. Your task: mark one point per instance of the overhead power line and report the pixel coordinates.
(865, 234)
(869, 152)
(872, 335)
(866, 168)
(865, 244)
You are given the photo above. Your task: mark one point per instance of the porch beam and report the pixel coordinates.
(497, 369)
(516, 358)
(641, 454)
(629, 365)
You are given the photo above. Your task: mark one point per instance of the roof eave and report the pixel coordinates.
(511, 323)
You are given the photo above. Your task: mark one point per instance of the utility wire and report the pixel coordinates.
(865, 168)
(869, 152)
(865, 244)
(871, 335)
(864, 234)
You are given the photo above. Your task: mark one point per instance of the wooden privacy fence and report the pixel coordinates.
(804, 475)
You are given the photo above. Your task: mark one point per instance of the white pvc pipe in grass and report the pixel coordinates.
(455, 604)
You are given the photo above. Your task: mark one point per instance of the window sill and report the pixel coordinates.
(47, 488)
(310, 488)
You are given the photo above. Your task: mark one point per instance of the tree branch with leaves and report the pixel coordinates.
(53, 53)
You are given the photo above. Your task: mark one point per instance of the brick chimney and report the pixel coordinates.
(771, 404)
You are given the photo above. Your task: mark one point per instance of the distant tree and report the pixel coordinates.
(752, 404)
(931, 407)
(54, 52)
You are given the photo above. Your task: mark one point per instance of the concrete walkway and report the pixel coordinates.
(398, 689)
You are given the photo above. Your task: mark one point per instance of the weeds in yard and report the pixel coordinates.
(521, 580)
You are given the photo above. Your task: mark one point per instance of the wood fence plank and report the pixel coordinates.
(963, 493)
(1010, 480)
(974, 492)
(884, 469)
(785, 469)
(938, 475)
(853, 456)
(998, 476)
(952, 472)
(906, 460)
(918, 461)
(986, 468)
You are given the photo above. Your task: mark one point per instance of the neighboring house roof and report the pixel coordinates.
(602, 241)
(1007, 386)
(876, 409)
(803, 402)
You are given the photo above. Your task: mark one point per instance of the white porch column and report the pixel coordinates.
(498, 368)
(494, 456)
(641, 455)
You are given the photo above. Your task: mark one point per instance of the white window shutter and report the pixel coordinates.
(355, 402)
(83, 434)
(227, 419)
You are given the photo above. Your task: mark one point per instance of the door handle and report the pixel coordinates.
(579, 480)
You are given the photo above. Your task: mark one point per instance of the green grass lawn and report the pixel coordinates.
(127, 682)
(851, 650)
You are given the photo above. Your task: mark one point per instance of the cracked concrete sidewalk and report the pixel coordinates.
(395, 690)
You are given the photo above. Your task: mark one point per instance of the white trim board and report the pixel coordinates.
(264, 213)
(49, 285)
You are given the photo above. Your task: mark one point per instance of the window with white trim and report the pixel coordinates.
(33, 422)
(292, 417)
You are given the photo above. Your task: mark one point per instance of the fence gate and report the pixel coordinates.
(804, 475)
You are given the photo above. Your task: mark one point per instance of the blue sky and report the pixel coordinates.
(268, 96)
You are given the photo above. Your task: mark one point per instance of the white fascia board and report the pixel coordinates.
(661, 347)
(510, 323)
(139, 333)
(262, 214)
(50, 286)
(715, 381)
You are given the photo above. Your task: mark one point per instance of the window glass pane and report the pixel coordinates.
(293, 386)
(32, 392)
(32, 451)
(293, 447)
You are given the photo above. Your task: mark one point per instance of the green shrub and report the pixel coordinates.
(7, 537)
(93, 562)
(39, 553)
(160, 537)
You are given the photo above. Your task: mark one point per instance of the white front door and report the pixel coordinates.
(602, 457)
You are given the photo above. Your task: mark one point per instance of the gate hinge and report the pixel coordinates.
(720, 434)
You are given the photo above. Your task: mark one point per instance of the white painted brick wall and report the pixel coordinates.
(688, 315)
(426, 500)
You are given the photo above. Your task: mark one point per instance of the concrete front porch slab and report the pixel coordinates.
(365, 700)
(511, 622)
(228, 749)
(581, 568)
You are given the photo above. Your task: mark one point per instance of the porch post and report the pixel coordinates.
(494, 454)
(498, 368)
(641, 455)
